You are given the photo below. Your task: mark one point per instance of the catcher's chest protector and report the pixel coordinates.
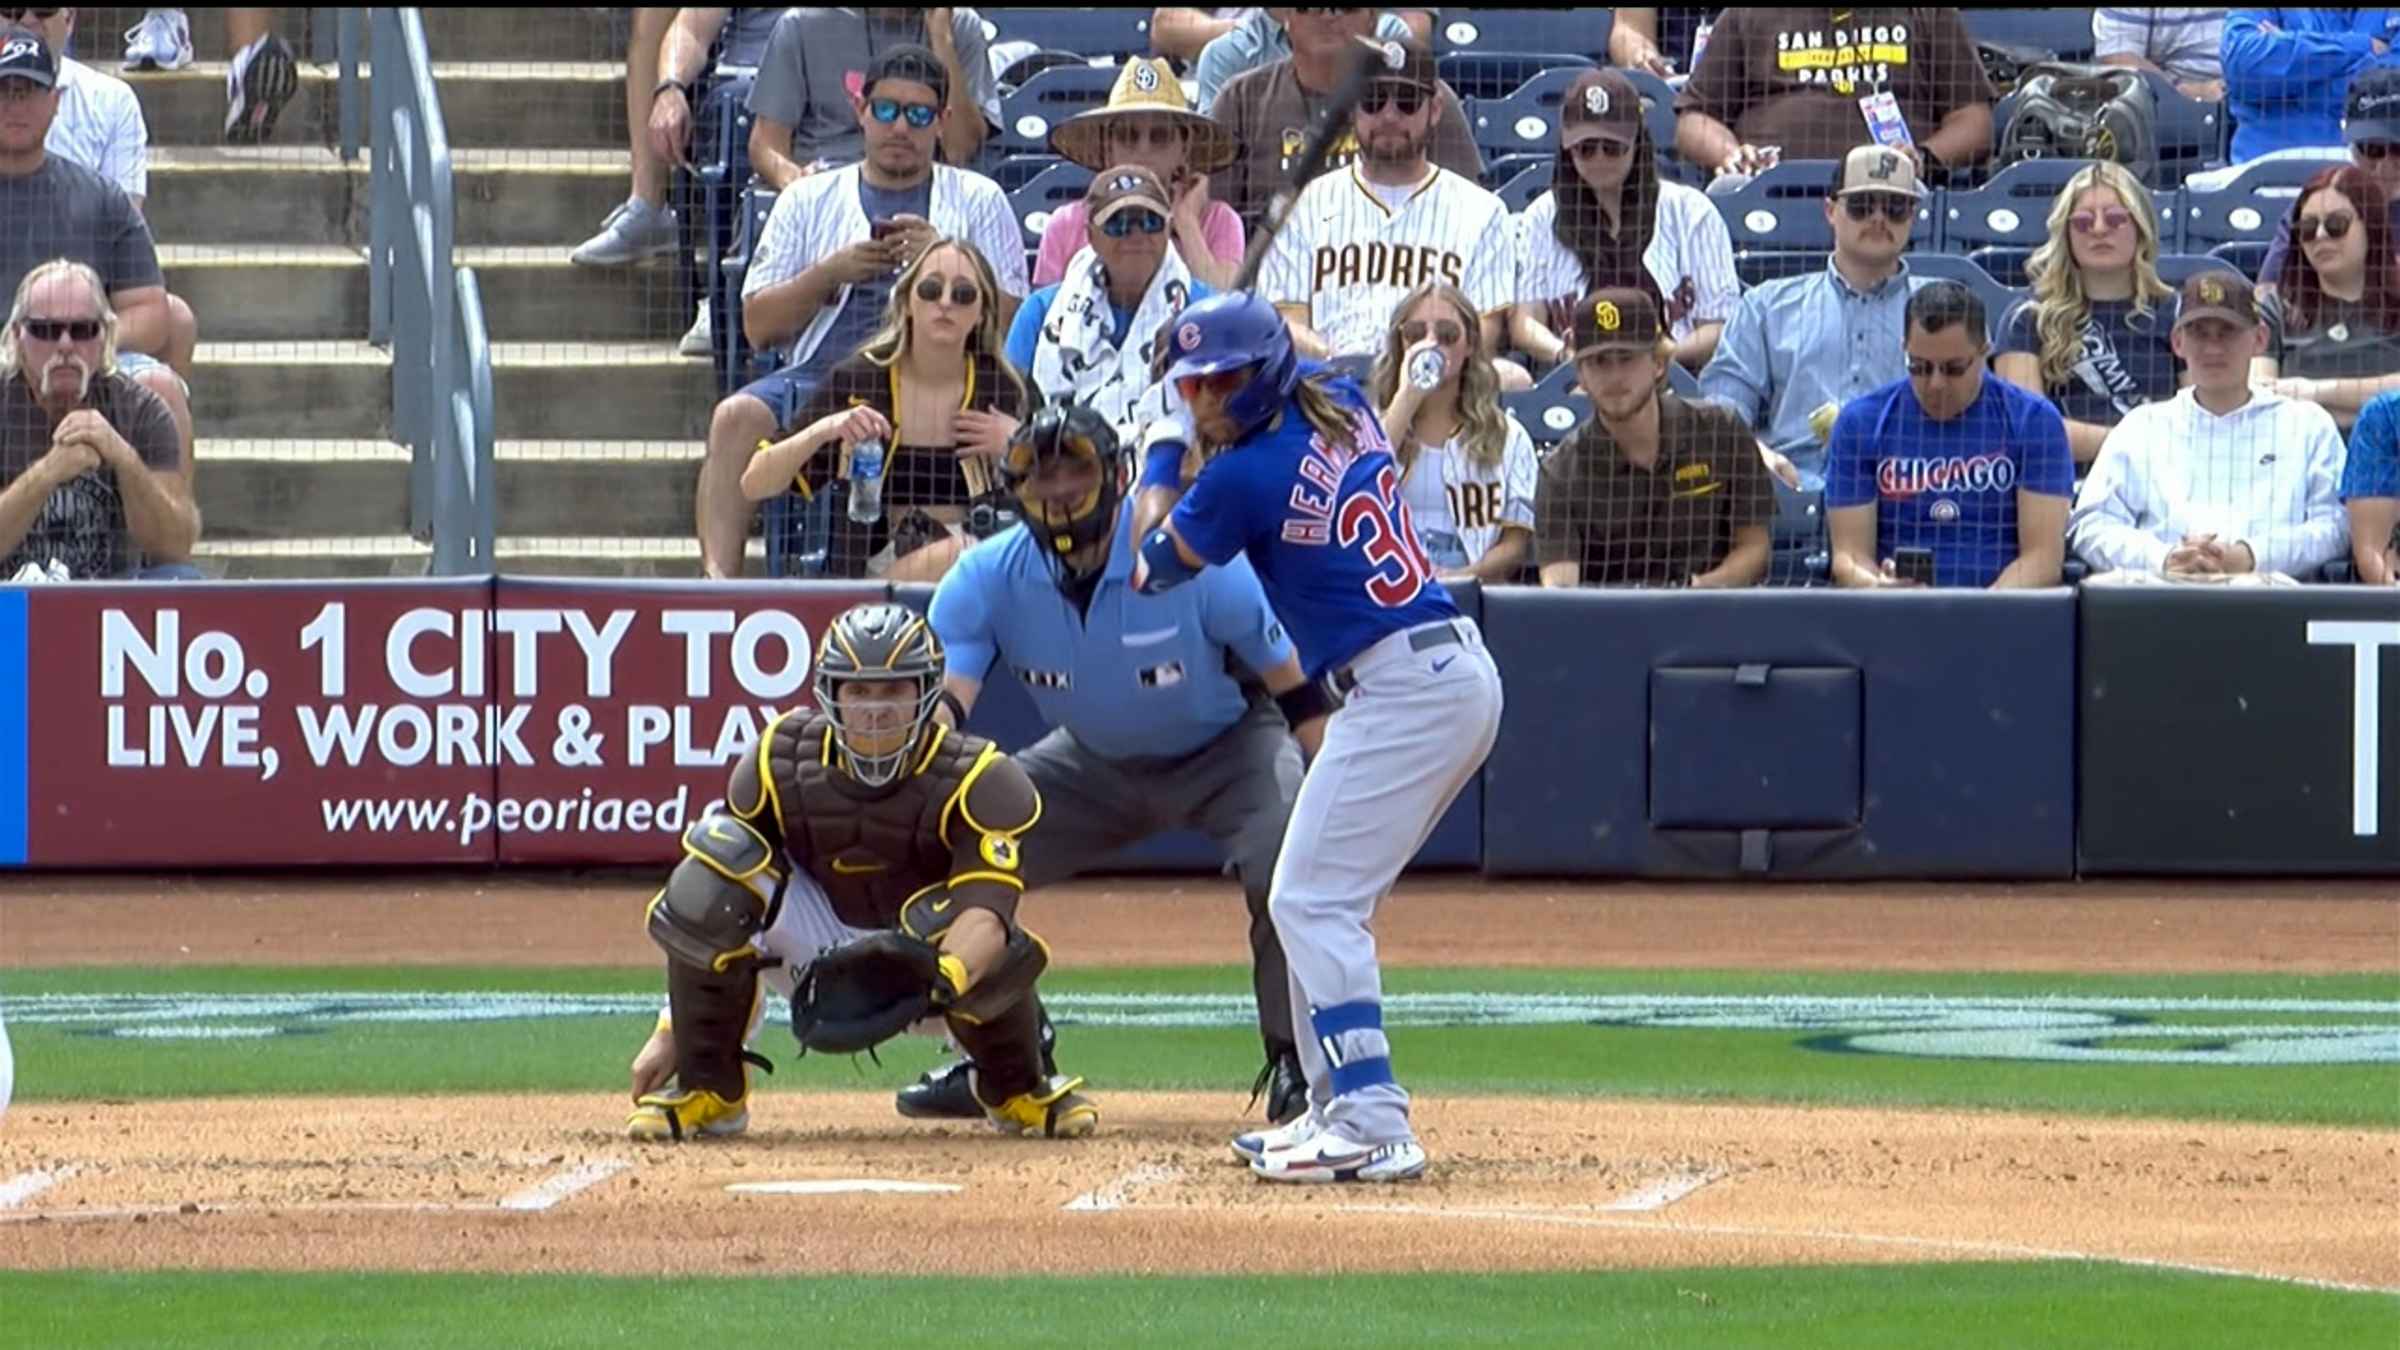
(870, 853)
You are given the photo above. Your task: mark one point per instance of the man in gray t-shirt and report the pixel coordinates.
(817, 61)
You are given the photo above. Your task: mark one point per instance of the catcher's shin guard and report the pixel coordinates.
(711, 1012)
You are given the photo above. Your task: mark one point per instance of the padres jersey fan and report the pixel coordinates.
(866, 814)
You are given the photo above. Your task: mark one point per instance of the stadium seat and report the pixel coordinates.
(2004, 263)
(2067, 32)
(2247, 207)
(1681, 379)
(1997, 298)
(1498, 170)
(1802, 551)
(1524, 122)
(1519, 192)
(1489, 75)
(1658, 118)
(1584, 32)
(1034, 63)
(734, 359)
(2247, 257)
(1779, 210)
(1552, 408)
(1757, 267)
(2012, 209)
(1053, 188)
(1111, 33)
(1015, 171)
(1027, 115)
(2176, 268)
(2191, 134)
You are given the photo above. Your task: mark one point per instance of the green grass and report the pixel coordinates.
(1959, 1307)
(589, 1053)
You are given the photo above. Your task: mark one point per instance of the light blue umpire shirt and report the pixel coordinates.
(1140, 675)
(1801, 342)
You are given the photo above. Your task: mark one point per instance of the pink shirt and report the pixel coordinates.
(1067, 234)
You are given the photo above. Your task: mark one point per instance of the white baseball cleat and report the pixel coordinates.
(1329, 1155)
(1298, 1130)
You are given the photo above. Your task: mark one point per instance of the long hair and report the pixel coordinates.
(2061, 309)
(2298, 286)
(11, 356)
(1581, 228)
(897, 336)
(1327, 415)
(1483, 428)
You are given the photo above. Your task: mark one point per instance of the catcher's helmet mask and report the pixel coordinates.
(1061, 435)
(874, 643)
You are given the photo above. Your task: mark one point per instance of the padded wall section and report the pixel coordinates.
(1754, 747)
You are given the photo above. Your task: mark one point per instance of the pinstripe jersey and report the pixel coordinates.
(1350, 257)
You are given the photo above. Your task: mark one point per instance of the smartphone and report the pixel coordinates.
(882, 229)
(1913, 564)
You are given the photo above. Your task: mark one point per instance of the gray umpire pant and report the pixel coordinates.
(1238, 790)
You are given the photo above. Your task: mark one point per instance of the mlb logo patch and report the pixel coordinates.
(1162, 677)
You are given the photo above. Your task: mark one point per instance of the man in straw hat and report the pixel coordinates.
(1148, 123)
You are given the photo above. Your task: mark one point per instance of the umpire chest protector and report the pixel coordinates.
(870, 848)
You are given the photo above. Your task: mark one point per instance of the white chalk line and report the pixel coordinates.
(1657, 1194)
(1118, 1193)
(25, 1185)
(554, 1189)
(170, 1211)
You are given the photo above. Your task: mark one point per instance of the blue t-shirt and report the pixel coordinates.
(1948, 486)
(1135, 675)
(863, 314)
(2126, 358)
(1324, 526)
(2373, 468)
(1025, 332)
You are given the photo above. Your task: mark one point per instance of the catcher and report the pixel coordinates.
(866, 865)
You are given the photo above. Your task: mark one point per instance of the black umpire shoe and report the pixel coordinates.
(1284, 1087)
(944, 1094)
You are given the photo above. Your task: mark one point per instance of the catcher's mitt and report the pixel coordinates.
(864, 992)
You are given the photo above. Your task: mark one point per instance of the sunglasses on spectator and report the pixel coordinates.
(15, 14)
(889, 110)
(962, 291)
(1447, 332)
(2332, 225)
(2108, 221)
(1949, 369)
(2375, 149)
(52, 330)
(1130, 222)
(1603, 147)
(1895, 208)
(1399, 94)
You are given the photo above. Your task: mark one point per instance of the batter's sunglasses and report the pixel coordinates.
(890, 110)
(53, 330)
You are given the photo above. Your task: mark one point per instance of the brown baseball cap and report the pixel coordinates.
(1619, 318)
(1401, 59)
(1872, 168)
(1124, 187)
(1600, 104)
(2217, 294)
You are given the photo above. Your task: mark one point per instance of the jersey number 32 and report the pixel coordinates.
(1389, 534)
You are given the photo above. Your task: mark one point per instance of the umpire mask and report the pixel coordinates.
(1067, 471)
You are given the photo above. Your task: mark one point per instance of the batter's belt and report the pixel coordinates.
(1422, 638)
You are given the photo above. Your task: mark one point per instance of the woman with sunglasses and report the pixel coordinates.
(1467, 467)
(1147, 122)
(2338, 297)
(2095, 337)
(932, 389)
(1609, 221)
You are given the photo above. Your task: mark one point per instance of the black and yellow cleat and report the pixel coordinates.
(1056, 1112)
(684, 1115)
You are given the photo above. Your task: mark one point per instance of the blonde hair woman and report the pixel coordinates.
(1468, 467)
(932, 386)
(2094, 337)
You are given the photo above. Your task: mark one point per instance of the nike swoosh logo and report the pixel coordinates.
(847, 870)
(1443, 664)
(940, 905)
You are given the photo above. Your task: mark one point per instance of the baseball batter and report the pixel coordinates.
(867, 814)
(1298, 477)
(1361, 238)
(1152, 730)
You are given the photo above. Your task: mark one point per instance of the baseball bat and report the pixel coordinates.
(1366, 63)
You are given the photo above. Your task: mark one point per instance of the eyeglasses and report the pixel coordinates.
(15, 14)
(1895, 208)
(889, 110)
(2332, 225)
(1127, 222)
(1445, 331)
(2375, 149)
(1407, 98)
(1603, 147)
(1920, 369)
(962, 291)
(2108, 221)
(52, 330)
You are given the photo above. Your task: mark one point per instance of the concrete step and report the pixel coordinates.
(484, 103)
(399, 555)
(536, 196)
(475, 33)
(541, 391)
(265, 196)
(320, 291)
(252, 490)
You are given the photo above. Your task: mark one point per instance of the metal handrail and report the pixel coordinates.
(421, 306)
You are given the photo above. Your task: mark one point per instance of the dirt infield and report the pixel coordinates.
(547, 1184)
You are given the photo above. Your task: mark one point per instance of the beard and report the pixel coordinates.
(1395, 147)
(1628, 407)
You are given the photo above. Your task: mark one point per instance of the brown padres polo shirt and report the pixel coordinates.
(1631, 526)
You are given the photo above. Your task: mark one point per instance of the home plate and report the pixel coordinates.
(861, 1185)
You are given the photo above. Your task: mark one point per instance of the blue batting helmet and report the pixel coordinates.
(1228, 332)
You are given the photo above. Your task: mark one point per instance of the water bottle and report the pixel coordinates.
(866, 482)
(1426, 368)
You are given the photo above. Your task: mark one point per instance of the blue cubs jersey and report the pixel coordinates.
(1324, 527)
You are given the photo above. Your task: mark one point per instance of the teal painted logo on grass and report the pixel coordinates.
(2063, 1029)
